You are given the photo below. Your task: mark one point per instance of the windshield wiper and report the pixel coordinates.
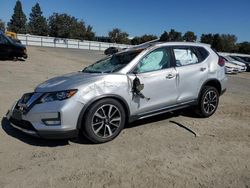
(90, 71)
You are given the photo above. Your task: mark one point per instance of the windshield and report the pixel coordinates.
(112, 63)
(5, 39)
(229, 58)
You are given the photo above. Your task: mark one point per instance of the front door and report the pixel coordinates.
(155, 71)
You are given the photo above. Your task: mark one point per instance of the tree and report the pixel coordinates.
(60, 25)
(174, 35)
(37, 22)
(118, 36)
(189, 36)
(143, 39)
(2, 26)
(228, 43)
(171, 36)
(221, 43)
(89, 34)
(18, 20)
(66, 26)
(244, 47)
(217, 43)
(207, 38)
(164, 36)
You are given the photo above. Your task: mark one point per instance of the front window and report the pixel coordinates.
(112, 63)
(156, 60)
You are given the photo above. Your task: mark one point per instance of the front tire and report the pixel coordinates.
(208, 102)
(104, 120)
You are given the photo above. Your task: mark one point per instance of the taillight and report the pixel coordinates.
(221, 62)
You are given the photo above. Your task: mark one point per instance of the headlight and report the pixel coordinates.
(57, 96)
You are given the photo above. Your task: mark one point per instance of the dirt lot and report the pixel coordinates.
(173, 150)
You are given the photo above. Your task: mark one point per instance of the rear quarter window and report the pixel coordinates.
(202, 52)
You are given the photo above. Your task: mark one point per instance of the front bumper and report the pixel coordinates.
(33, 122)
(231, 70)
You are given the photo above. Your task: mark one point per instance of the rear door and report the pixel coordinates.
(192, 70)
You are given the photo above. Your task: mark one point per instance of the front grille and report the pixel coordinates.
(27, 101)
(22, 124)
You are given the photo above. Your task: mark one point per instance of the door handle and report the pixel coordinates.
(203, 69)
(170, 76)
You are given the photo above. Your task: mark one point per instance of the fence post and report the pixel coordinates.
(41, 41)
(99, 46)
(26, 40)
(78, 44)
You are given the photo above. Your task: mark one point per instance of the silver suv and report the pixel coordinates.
(133, 84)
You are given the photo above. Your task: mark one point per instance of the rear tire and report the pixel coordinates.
(208, 101)
(104, 120)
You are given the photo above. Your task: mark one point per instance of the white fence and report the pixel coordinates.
(34, 40)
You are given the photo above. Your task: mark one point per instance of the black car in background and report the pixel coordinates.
(241, 59)
(10, 49)
(111, 50)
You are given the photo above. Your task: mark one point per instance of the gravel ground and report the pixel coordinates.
(171, 150)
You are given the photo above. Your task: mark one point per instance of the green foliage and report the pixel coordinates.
(164, 36)
(2, 26)
(217, 43)
(207, 38)
(18, 20)
(66, 26)
(174, 35)
(171, 36)
(228, 43)
(37, 24)
(89, 34)
(118, 36)
(221, 43)
(142, 39)
(189, 36)
(244, 47)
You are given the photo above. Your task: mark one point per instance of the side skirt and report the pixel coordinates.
(162, 110)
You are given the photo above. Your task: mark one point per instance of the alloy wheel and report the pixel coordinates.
(106, 120)
(210, 102)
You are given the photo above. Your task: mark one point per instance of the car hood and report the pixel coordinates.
(19, 45)
(231, 65)
(67, 81)
(238, 63)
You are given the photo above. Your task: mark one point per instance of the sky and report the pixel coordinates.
(138, 17)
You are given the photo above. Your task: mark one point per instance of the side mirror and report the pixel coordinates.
(137, 86)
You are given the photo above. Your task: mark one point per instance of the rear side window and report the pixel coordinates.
(203, 53)
(185, 56)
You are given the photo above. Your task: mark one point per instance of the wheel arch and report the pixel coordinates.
(111, 96)
(211, 82)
